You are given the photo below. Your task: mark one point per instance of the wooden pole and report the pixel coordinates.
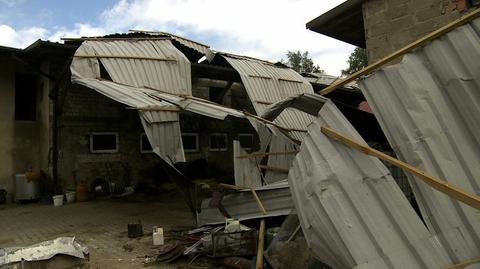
(274, 168)
(435, 182)
(464, 264)
(262, 154)
(254, 193)
(261, 240)
(464, 19)
(259, 202)
(126, 57)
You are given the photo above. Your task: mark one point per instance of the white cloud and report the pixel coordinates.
(22, 38)
(264, 29)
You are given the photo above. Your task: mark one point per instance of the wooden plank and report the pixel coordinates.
(262, 154)
(441, 31)
(112, 39)
(126, 57)
(435, 182)
(259, 202)
(464, 264)
(290, 80)
(260, 248)
(273, 168)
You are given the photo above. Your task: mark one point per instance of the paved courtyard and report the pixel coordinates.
(100, 225)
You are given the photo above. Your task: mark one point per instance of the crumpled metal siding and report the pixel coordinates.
(352, 212)
(276, 199)
(172, 75)
(429, 108)
(247, 173)
(279, 144)
(266, 84)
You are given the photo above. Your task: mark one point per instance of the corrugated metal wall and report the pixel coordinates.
(429, 108)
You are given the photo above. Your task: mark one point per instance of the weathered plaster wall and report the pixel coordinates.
(23, 144)
(392, 24)
(7, 101)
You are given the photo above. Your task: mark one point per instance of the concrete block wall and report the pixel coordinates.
(87, 111)
(393, 24)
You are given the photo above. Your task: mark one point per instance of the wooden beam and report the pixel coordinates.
(112, 38)
(464, 264)
(274, 168)
(262, 154)
(260, 248)
(259, 202)
(126, 57)
(290, 80)
(447, 28)
(435, 182)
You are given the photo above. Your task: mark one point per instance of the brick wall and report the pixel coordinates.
(392, 24)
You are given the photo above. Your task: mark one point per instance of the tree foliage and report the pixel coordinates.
(301, 62)
(356, 61)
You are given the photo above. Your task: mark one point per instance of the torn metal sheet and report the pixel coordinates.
(267, 83)
(428, 105)
(276, 199)
(279, 144)
(247, 172)
(43, 251)
(163, 132)
(351, 210)
(155, 64)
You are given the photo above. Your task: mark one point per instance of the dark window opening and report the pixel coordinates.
(190, 142)
(104, 142)
(474, 3)
(25, 97)
(246, 141)
(145, 146)
(218, 142)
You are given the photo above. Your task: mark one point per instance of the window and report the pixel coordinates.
(145, 146)
(190, 142)
(25, 97)
(218, 142)
(105, 142)
(474, 2)
(246, 141)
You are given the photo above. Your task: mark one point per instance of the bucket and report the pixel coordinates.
(70, 195)
(58, 200)
(82, 192)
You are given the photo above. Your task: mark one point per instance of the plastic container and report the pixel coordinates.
(70, 195)
(158, 239)
(58, 200)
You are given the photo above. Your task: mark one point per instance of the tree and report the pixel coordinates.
(302, 63)
(356, 61)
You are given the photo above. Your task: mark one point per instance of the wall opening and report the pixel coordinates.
(145, 146)
(104, 142)
(190, 142)
(25, 97)
(218, 142)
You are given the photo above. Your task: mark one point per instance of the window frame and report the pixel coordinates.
(225, 135)
(245, 135)
(144, 151)
(117, 146)
(197, 144)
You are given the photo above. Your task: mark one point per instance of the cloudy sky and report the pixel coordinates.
(265, 29)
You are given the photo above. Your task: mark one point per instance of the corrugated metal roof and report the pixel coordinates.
(275, 198)
(428, 106)
(267, 83)
(147, 63)
(351, 210)
(202, 48)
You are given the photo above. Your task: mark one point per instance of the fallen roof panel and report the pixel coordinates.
(428, 106)
(351, 210)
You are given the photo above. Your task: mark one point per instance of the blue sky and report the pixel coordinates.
(265, 29)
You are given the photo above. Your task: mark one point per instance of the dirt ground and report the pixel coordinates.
(99, 225)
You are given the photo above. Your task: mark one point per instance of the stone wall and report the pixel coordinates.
(392, 24)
